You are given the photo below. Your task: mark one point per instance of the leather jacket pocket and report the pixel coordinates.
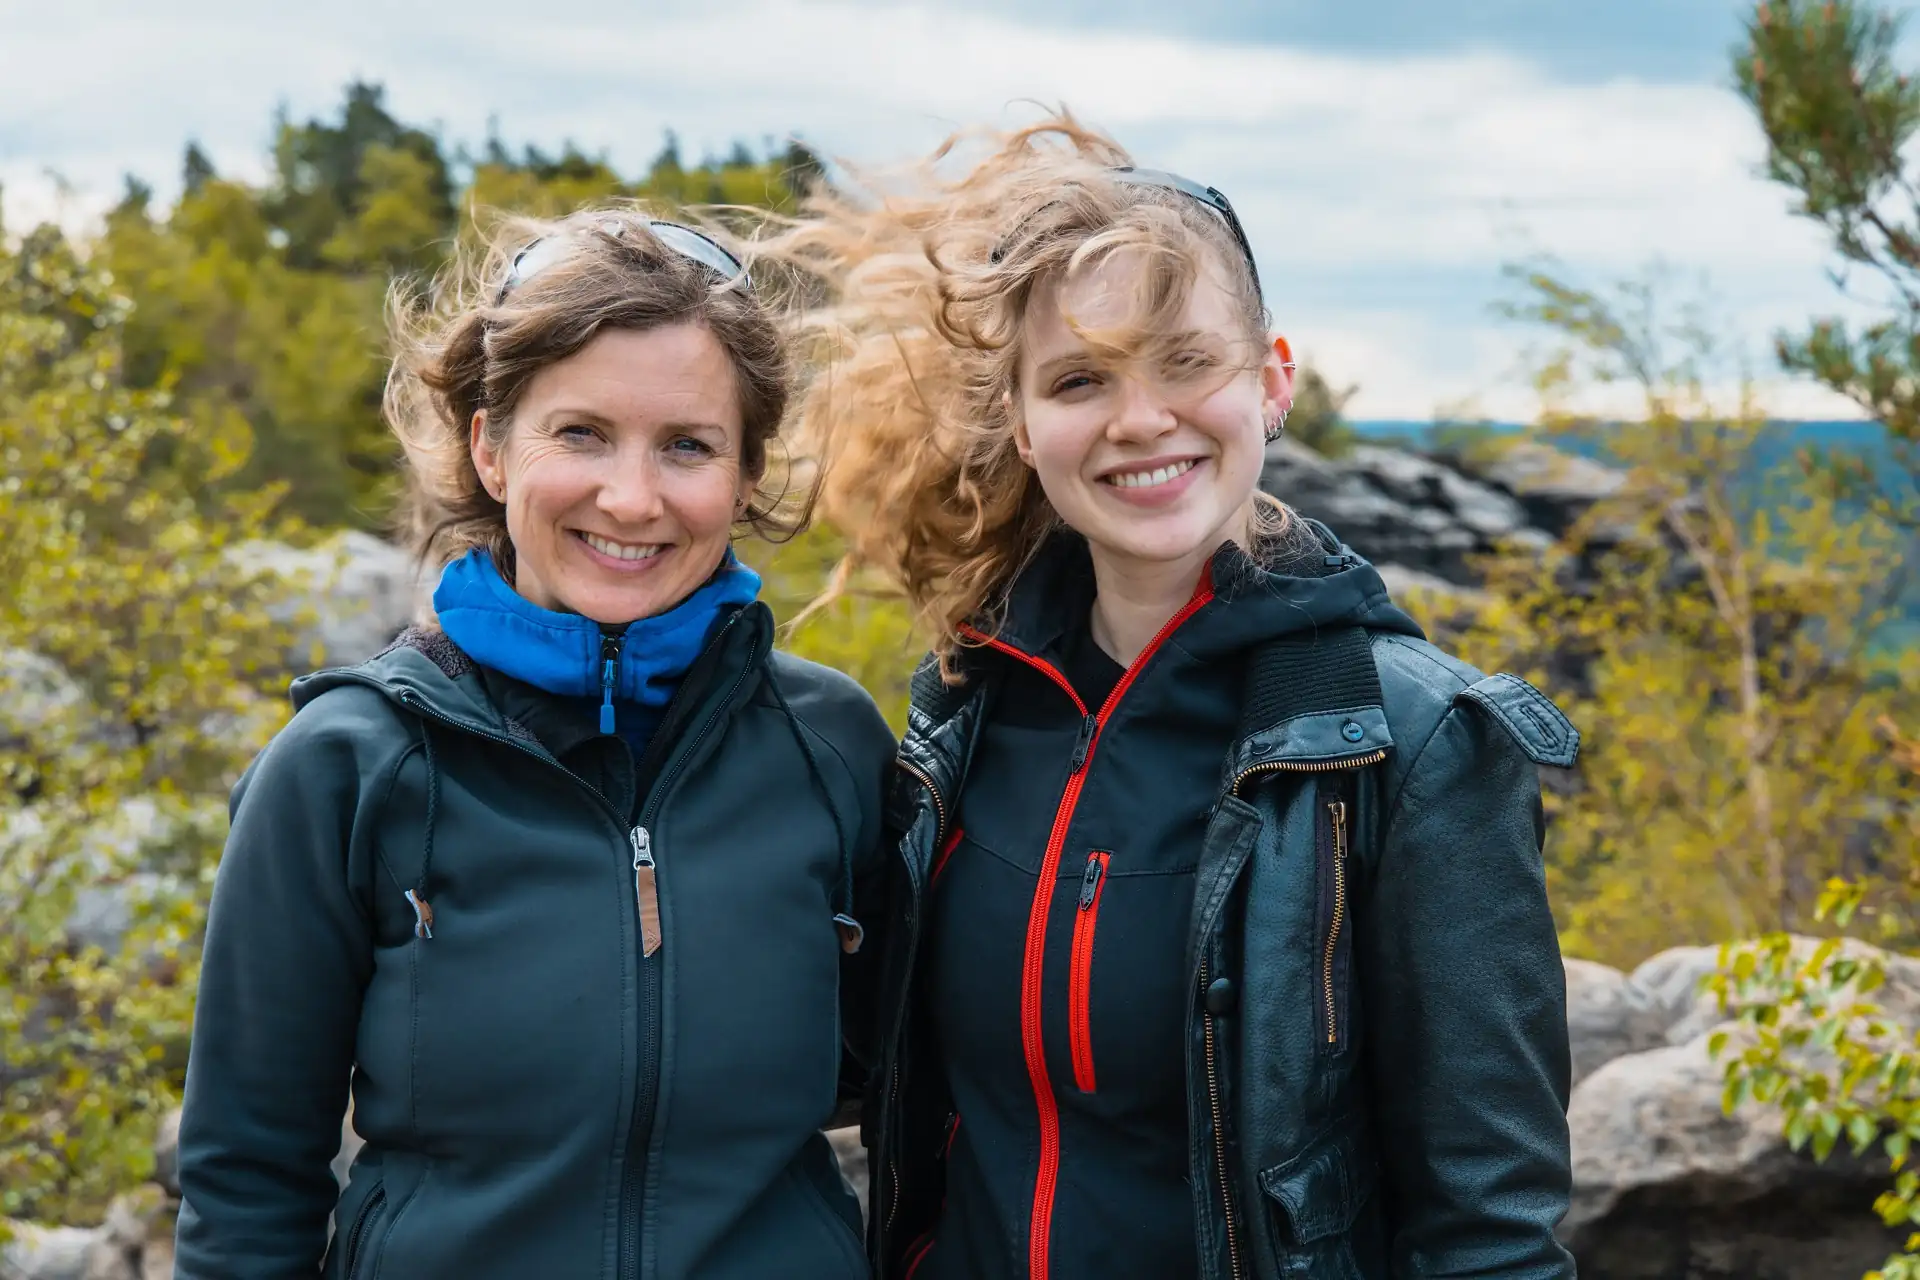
(1312, 1202)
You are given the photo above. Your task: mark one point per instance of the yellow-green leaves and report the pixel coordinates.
(1710, 628)
(131, 653)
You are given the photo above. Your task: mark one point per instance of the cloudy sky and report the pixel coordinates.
(1387, 156)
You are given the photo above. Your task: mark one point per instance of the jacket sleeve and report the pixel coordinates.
(1465, 1000)
(288, 954)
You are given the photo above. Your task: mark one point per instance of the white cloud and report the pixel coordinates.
(1428, 168)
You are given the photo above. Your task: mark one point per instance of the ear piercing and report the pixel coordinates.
(1277, 425)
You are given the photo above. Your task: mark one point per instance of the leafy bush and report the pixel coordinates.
(130, 684)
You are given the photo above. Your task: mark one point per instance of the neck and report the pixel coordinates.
(1136, 600)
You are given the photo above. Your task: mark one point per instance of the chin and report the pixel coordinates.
(607, 609)
(1173, 546)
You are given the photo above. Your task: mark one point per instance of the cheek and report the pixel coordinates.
(702, 500)
(1232, 417)
(545, 482)
(1058, 438)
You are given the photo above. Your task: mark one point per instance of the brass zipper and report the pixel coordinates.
(1338, 811)
(1219, 1131)
(939, 805)
(1319, 766)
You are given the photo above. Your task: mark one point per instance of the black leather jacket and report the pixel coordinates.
(1377, 1049)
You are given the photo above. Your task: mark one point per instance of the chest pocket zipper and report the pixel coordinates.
(1336, 912)
(1080, 980)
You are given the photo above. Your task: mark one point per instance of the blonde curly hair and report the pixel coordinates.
(920, 285)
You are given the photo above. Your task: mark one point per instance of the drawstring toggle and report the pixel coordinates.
(422, 915)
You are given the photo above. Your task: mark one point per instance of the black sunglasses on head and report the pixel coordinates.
(685, 241)
(1208, 196)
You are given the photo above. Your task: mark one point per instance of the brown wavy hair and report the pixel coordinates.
(459, 346)
(921, 280)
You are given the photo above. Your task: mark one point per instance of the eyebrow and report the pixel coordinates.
(1060, 364)
(580, 413)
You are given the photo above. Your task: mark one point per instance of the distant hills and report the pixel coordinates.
(1850, 433)
(1784, 439)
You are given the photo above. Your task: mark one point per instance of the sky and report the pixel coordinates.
(1387, 157)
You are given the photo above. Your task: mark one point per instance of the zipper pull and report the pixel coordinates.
(1084, 744)
(1090, 882)
(646, 890)
(1338, 809)
(422, 915)
(609, 662)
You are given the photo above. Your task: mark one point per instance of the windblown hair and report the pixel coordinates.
(460, 347)
(922, 286)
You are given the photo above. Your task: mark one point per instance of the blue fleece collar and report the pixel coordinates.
(567, 654)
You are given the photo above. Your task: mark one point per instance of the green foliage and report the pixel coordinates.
(1707, 628)
(868, 637)
(1809, 1039)
(338, 189)
(1839, 116)
(264, 305)
(129, 698)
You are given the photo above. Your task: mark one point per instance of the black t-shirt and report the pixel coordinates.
(1087, 667)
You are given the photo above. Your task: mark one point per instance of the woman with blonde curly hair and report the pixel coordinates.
(558, 886)
(1219, 944)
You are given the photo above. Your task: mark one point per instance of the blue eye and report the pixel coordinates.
(576, 431)
(690, 446)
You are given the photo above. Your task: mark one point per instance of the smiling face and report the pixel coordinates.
(1155, 466)
(621, 473)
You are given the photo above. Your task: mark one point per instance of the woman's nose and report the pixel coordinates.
(1140, 413)
(630, 491)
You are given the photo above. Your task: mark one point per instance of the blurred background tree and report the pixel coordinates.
(1712, 628)
(1317, 418)
(263, 305)
(131, 654)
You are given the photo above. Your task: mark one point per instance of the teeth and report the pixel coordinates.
(1148, 479)
(620, 551)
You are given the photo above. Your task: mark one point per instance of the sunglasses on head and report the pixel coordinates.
(685, 241)
(1208, 196)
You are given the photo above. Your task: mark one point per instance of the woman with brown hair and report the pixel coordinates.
(1219, 946)
(562, 883)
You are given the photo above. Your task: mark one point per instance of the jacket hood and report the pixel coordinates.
(1316, 581)
(421, 669)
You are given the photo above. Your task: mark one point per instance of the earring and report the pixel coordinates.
(1277, 425)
